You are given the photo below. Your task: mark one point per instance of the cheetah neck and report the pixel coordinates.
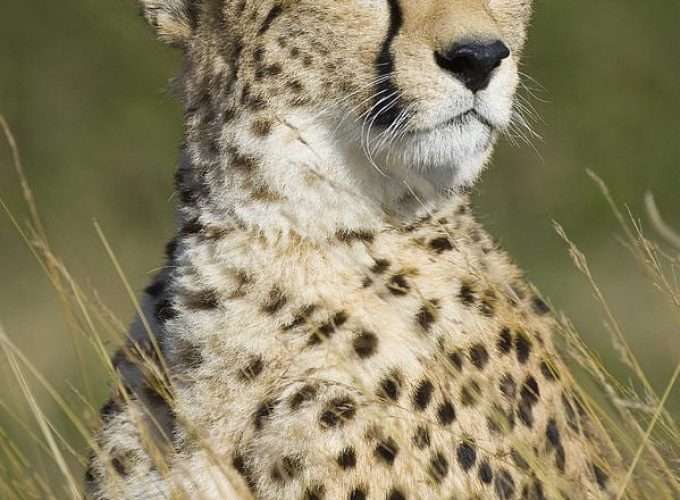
(295, 175)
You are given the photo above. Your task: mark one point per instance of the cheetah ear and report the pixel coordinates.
(174, 20)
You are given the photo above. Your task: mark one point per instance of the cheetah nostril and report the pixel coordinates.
(473, 62)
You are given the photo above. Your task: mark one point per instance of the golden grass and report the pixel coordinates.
(630, 412)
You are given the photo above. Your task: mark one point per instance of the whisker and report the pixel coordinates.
(365, 133)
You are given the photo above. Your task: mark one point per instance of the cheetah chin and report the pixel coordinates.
(332, 322)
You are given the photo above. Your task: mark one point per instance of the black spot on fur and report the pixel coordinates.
(259, 53)
(467, 294)
(191, 227)
(365, 344)
(171, 249)
(479, 356)
(315, 492)
(467, 456)
(469, 394)
(387, 451)
(549, 371)
(90, 476)
(441, 245)
(536, 491)
(263, 412)
(350, 237)
(425, 318)
(242, 466)
(252, 369)
(288, 468)
(456, 360)
(539, 306)
(488, 304)
(326, 330)
(300, 317)
(504, 343)
(446, 413)
(275, 302)
(395, 494)
(552, 432)
(337, 412)
(560, 458)
(357, 494)
(305, 394)
(485, 473)
(347, 459)
(340, 318)
(508, 387)
(504, 485)
(242, 163)
(530, 390)
(499, 421)
(519, 461)
(119, 466)
(380, 266)
(189, 355)
(572, 419)
(423, 395)
(525, 413)
(273, 69)
(295, 86)
(601, 477)
(202, 301)
(439, 467)
(165, 311)
(260, 127)
(529, 395)
(421, 438)
(398, 285)
(523, 347)
(110, 410)
(390, 388)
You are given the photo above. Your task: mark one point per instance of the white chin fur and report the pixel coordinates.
(451, 157)
(452, 146)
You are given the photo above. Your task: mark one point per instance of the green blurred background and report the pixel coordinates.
(83, 84)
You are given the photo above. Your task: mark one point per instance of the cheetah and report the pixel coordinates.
(332, 322)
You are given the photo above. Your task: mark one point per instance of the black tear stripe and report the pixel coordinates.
(384, 63)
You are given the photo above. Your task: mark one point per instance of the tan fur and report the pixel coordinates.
(332, 322)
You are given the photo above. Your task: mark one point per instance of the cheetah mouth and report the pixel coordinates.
(459, 120)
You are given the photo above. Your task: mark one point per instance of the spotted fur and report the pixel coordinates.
(332, 322)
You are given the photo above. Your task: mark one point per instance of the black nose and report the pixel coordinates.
(473, 62)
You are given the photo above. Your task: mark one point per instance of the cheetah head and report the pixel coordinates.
(424, 84)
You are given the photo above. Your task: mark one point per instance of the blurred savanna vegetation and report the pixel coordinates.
(84, 86)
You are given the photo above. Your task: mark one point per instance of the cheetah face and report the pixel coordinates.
(426, 84)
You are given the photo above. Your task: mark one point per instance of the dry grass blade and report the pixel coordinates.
(132, 296)
(41, 419)
(648, 433)
(39, 239)
(25, 186)
(581, 262)
(665, 230)
(633, 408)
